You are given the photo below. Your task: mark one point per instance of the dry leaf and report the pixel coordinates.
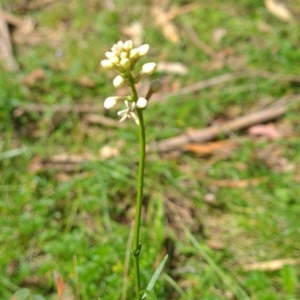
(272, 265)
(107, 152)
(34, 76)
(215, 245)
(59, 283)
(163, 20)
(135, 32)
(172, 67)
(212, 147)
(264, 27)
(86, 82)
(218, 35)
(268, 131)
(237, 183)
(279, 10)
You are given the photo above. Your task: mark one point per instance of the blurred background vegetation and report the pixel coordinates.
(227, 215)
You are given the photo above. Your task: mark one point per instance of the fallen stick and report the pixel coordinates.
(102, 120)
(11, 19)
(199, 86)
(41, 108)
(6, 50)
(207, 134)
(222, 79)
(199, 43)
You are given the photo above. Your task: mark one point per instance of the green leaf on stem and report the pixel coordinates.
(149, 295)
(21, 294)
(154, 278)
(289, 279)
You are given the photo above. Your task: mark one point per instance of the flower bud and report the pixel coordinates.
(149, 68)
(124, 55)
(110, 54)
(155, 86)
(141, 103)
(119, 81)
(127, 45)
(143, 50)
(134, 53)
(107, 64)
(125, 63)
(110, 102)
(115, 60)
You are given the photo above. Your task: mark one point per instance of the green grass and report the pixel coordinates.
(78, 223)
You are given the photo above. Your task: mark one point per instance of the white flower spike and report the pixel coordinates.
(123, 58)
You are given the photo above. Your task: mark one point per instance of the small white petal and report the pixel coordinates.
(149, 68)
(135, 118)
(110, 102)
(141, 102)
(124, 117)
(119, 81)
(143, 50)
(121, 112)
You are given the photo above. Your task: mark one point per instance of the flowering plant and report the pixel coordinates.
(123, 58)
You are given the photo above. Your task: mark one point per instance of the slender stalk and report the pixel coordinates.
(136, 245)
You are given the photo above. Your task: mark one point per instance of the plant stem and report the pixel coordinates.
(136, 245)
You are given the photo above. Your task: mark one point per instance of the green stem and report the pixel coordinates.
(136, 245)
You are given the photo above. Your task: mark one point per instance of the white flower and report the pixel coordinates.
(128, 112)
(149, 68)
(117, 48)
(141, 103)
(119, 81)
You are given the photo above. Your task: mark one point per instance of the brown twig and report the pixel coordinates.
(222, 79)
(11, 19)
(199, 43)
(41, 108)
(203, 135)
(102, 120)
(199, 85)
(6, 50)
